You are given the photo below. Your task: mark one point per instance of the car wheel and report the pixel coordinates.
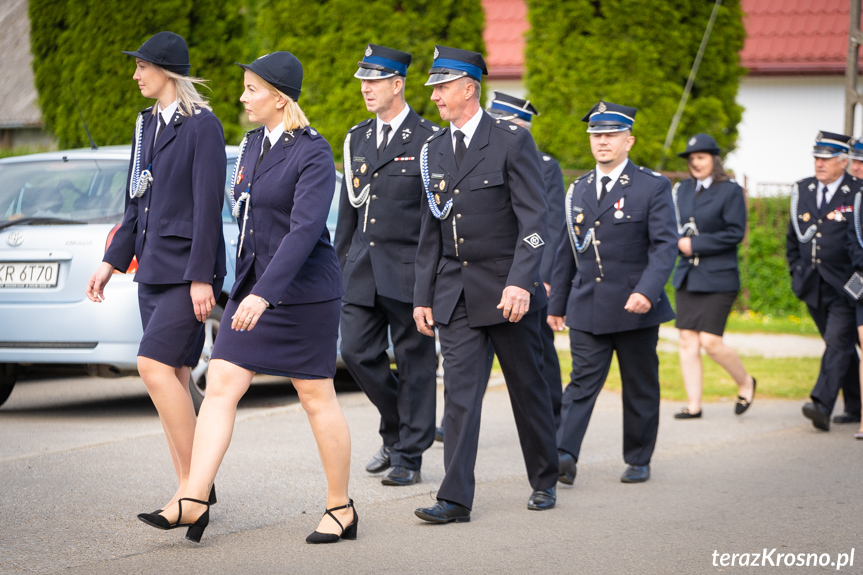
(7, 381)
(198, 376)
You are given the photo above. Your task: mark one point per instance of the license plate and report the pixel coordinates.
(29, 274)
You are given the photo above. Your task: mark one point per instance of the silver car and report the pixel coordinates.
(58, 213)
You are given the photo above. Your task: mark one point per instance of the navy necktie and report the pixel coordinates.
(386, 132)
(604, 191)
(267, 145)
(460, 147)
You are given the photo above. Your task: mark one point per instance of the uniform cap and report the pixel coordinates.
(281, 69)
(700, 143)
(508, 106)
(166, 50)
(830, 144)
(606, 117)
(856, 151)
(382, 62)
(452, 63)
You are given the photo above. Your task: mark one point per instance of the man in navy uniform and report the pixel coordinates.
(521, 112)
(821, 207)
(376, 241)
(608, 287)
(478, 279)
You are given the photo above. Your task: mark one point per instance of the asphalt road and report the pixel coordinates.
(79, 458)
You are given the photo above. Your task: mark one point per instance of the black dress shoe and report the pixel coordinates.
(742, 405)
(846, 418)
(438, 434)
(686, 414)
(400, 475)
(381, 460)
(635, 474)
(568, 470)
(818, 414)
(542, 500)
(444, 512)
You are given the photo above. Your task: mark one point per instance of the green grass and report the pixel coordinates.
(751, 322)
(789, 378)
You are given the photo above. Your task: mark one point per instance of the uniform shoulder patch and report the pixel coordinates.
(506, 126)
(651, 172)
(437, 132)
(361, 124)
(250, 132)
(312, 132)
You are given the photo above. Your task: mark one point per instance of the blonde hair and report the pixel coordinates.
(187, 95)
(294, 117)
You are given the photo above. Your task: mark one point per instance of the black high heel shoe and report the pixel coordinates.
(211, 500)
(196, 529)
(349, 532)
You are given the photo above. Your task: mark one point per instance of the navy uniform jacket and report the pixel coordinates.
(381, 258)
(501, 221)
(637, 250)
(286, 247)
(831, 261)
(175, 228)
(553, 179)
(719, 213)
(855, 250)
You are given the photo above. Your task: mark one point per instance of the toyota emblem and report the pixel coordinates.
(15, 239)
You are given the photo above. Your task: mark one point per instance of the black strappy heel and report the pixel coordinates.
(196, 529)
(349, 532)
(211, 499)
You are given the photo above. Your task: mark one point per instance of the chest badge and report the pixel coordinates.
(437, 199)
(356, 182)
(805, 217)
(831, 216)
(618, 205)
(442, 185)
(363, 169)
(579, 218)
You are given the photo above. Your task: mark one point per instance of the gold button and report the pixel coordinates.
(372, 244)
(376, 175)
(251, 232)
(596, 223)
(485, 181)
(598, 280)
(373, 220)
(817, 261)
(214, 276)
(403, 171)
(146, 210)
(690, 260)
(535, 284)
(145, 231)
(597, 242)
(817, 247)
(628, 217)
(455, 192)
(818, 235)
(374, 196)
(464, 264)
(253, 254)
(458, 216)
(820, 221)
(461, 240)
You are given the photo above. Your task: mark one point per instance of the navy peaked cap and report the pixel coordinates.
(700, 143)
(856, 151)
(166, 50)
(281, 69)
(830, 144)
(506, 105)
(453, 63)
(382, 62)
(607, 117)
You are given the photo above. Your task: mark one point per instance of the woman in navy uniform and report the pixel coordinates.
(283, 314)
(711, 221)
(173, 225)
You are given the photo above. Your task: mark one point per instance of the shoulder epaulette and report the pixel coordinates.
(651, 172)
(507, 126)
(436, 133)
(312, 132)
(428, 126)
(361, 124)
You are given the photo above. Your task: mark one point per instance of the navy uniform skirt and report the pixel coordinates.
(172, 333)
(296, 341)
(701, 311)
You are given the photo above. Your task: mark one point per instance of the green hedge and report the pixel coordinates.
(638, 54)
(330, 37)
(78, 44)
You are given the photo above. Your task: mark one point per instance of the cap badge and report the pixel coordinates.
(692, 141)
(602, 107)
(368, 50)
(436, 53)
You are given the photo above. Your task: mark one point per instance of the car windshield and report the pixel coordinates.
(82, 190)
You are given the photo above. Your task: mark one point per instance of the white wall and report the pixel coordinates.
(782, 118)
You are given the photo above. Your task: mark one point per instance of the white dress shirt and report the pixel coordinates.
(614, 175)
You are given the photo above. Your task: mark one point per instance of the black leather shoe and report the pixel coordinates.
(444, 512)
(568, 470)
(742, 405)
(400, 475)
(381, 460)
(818, 414)
(846, 418)
(438, 434)
(686, 414)
(542, 500)
(635, 474)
